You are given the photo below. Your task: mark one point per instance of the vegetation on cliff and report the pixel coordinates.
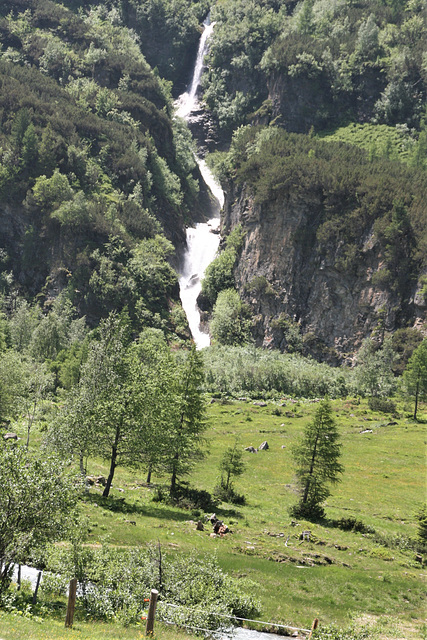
(316, 63)
(94, 173)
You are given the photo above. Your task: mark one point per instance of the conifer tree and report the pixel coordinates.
(415, 374)
(188, 421)
(317, 456)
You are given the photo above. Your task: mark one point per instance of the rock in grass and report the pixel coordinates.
(10, 436)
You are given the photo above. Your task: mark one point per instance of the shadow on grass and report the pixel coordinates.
(228, 513)
(345, 524)
(119, 505)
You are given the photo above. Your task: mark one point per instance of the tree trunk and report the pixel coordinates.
(172, 487)
(82, 466)
(113, 464)
(417, 390)
(227, 483)
(313, 458)
(149, 475)
(30, 424)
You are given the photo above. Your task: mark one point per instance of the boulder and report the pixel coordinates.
(96, 480)
(263, 446)
(251, 449)
(10, 436)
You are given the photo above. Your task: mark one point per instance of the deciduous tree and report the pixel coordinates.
(187, 426)
(232, 465)
(36, 501)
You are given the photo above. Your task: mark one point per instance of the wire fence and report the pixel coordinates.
(232, 618)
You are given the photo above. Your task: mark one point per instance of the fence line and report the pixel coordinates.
(186, 626)
(225, 615)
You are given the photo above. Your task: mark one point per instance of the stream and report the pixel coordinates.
(203, 239)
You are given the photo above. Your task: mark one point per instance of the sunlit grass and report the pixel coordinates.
(357, 574)
(13, 627)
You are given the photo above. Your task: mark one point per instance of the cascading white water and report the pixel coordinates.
(203, 239)
(187, 102)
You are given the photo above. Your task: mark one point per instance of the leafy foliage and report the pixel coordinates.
(219, 273)
(415, 374)
(240, 370)
(230, 323)
(36, 499)
(194, 591)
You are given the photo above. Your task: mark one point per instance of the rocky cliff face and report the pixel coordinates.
(305, 101)
(300, 299)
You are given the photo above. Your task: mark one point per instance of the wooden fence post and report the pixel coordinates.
(151, 612)
(72, 593)
(39, 575)
(313, 627)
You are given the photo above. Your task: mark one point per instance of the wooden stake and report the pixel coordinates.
(72, 593)
(313, 627)
(151, 613)
(39, 575)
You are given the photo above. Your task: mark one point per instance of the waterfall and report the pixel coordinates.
(187, 102)
(203, 239)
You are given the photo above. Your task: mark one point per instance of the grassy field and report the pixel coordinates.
(337, 575)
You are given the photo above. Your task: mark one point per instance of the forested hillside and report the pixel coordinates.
(317, 63)
(96, 178)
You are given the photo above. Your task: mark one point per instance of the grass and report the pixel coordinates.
(378, 139)
(13, 627)
(336, 575)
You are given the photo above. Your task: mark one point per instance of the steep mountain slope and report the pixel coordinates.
(334, 245)
(317, 64)
(94, 173)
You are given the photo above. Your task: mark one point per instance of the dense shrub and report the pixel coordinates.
(259, 373)
(353, 524)
(117, 581)
(382, 404)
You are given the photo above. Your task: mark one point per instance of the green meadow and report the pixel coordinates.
(371, 572)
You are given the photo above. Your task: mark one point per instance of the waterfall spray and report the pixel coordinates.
(203, 239)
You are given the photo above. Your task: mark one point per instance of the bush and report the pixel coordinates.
(120, 580)
(188, 498)
(307, 511)
(422, 524)
(229, 495)
(352, 524)
(381, 404)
